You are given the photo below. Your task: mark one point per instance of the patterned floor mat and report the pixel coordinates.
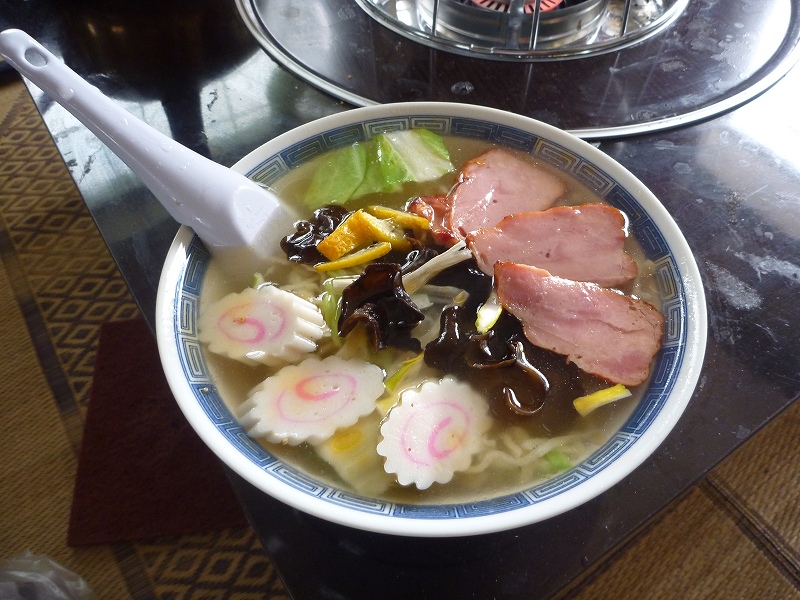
(67, 285)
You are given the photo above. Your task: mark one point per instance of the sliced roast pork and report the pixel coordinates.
(582, 243)
(496, 184)
(602, 331)
(436, 210)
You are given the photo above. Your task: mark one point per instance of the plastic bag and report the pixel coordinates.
(38, 577)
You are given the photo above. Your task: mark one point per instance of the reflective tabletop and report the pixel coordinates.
(732, 183)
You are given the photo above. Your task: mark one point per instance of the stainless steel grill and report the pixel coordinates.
(597, 68)
(528, 30)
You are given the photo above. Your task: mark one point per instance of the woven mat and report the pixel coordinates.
(735, 535)
(59, 288)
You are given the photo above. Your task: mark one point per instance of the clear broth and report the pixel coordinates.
(234, 380)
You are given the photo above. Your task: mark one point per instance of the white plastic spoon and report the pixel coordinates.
(233, 215)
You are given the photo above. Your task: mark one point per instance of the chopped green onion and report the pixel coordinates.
(488, 313)
(405, 366)
(558, 461)
(258, 281)
(586, 404)
(331, 308)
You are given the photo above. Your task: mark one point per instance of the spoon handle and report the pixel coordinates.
(223, 207)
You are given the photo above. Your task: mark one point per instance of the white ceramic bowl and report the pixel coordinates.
(675, 371)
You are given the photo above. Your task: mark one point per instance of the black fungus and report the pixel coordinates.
(467, 276)
(301, 246)
(446, 352)
(378, 300)
(520, 380)
(416, 258)
(488, 351)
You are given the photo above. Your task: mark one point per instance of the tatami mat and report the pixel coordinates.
(761, 485)
(38, 462)
(735, 535)
(58, 286)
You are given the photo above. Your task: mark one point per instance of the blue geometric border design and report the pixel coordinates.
(665, 367)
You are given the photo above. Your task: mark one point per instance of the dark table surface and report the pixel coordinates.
(732, 184)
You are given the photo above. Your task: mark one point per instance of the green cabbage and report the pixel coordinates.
(381, 165)
(337, 176)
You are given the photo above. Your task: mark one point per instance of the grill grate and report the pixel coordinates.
(505, 5)
(526, 29)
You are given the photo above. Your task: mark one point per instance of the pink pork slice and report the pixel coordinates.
(602, 331)
(582, 243)
(435, 209)
(496, 184)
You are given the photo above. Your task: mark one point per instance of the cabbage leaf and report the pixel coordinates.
(380, 165)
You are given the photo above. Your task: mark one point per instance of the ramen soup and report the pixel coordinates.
(400, 352)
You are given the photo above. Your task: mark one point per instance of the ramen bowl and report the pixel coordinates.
(674, 372)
